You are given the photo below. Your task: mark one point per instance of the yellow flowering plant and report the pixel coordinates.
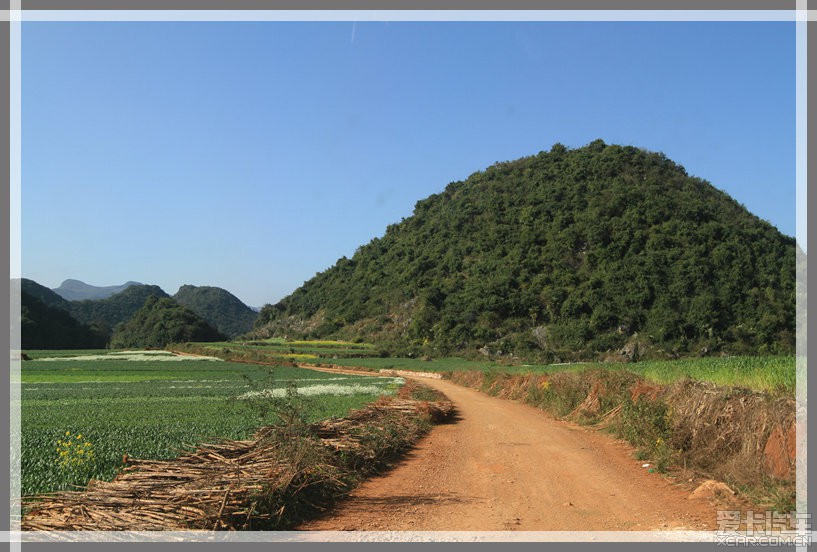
(74, 453)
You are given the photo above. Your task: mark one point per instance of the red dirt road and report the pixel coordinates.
(507, 466)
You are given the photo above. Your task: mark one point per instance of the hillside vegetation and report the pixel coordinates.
(220, 308)
(52, 322)
(593, 252)
(115, 309)
(44, 294)
(159, 322)
(46, 327)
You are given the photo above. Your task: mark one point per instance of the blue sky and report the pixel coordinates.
(252, 155)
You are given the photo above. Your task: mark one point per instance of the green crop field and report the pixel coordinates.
(278, 348)
(67, 353)
(774, 374)
(82, 412)
(759, 373)
(770, 374)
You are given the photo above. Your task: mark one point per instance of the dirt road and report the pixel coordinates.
(506, 466)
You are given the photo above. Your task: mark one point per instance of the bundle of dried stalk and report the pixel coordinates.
(232, 485)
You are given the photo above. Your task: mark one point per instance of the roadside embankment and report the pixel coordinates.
(741, 437)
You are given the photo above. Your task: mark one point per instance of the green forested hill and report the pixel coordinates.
(116, 308)
(159, 322)
(568, 253)
(50, 321)
(46, 322)
(43, 326)
(44, 294)
(220, 308)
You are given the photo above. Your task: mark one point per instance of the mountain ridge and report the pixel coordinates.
(77, 290)
(51, 321)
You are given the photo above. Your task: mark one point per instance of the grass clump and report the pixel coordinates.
(646, 424)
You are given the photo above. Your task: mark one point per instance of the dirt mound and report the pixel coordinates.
(712, 490)
(780, 452)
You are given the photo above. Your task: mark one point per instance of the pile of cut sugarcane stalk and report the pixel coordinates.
(229, 485)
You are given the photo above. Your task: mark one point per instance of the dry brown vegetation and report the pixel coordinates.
(282, 475)
(745, 438)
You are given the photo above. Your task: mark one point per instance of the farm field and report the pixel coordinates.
(760, 373)
(772, 374)
(82, 411)
(298, 349)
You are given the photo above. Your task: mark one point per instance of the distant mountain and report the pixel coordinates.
(220, 308)
(75, 290)
(48, 327)
(51, 321)
(117, 308)
(160, 322)
(592, 252)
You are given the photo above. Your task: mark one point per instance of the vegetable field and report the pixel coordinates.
(760, 373)
(82, 412)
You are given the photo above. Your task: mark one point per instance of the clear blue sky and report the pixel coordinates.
(252, 155)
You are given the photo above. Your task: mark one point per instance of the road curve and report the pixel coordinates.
(507, 466)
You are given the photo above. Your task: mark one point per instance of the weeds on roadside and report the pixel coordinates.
(422, 393)
(307, 477)
(266, 406)
(646, 424)
(771, 495)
